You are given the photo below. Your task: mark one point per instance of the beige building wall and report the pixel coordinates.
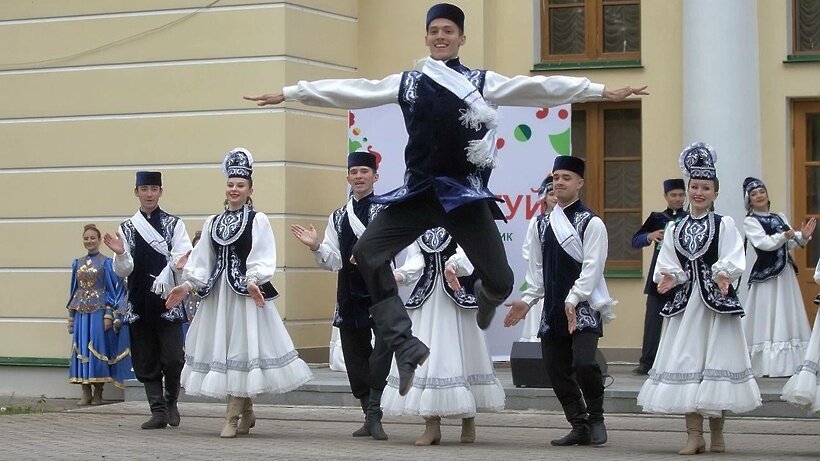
(94, 90)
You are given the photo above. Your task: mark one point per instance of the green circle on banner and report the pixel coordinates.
(522, 133)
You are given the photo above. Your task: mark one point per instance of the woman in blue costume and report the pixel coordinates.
(97, 354)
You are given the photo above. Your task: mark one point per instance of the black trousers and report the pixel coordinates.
(652, 325)
(471, 225)
(367, 366)
(571, 366)
(157, 352)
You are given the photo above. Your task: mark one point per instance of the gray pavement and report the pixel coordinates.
(321, 432)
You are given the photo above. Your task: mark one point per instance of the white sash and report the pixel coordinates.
(165, 281)
(480, 152)
(570, 241)
(355, 222)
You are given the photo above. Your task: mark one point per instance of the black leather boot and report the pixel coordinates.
(363, 431)
(486, 306)
(373, 417)
(576, 414)
(597, 429)
(156, 400)
(391, 321)
(171, 397)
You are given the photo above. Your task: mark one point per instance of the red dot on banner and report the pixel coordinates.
(351, 119)
(499, 143)
(563, 114)
(541, 114)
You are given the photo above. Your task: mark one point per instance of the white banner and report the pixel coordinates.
(529, 139)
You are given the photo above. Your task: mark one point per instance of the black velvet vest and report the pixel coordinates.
(436, 138)
(697, 246)
(352, 297)
(142, 302)
(770, 264)
(560, 273)
(437, 246)
(232, 238)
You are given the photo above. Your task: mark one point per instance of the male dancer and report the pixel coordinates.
(674, 191)
(449, 157)
(149, 247)
(566, 269)
(367, 368)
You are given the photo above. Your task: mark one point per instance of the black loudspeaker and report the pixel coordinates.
(528, 369)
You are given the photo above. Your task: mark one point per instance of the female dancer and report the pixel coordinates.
(777, 330)
(237, 345)
(457, 379)
(96, 292)
(702, 367)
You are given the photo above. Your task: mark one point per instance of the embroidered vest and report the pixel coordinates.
(232, 237)
(142, 303)
(352, 297)
(437, 246)
(560, 273)
(436, 138)
(770, 264)
(697, 246)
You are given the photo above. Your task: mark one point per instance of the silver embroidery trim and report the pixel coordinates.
(693, 236)
(434, 240)
(708, 374)
(810, 367)
(229, 226)
(448, 383)
(241, 365)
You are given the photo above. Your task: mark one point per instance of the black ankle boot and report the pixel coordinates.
(171, 396)
(576, 414)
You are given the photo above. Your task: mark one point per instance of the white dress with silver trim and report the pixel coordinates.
(457, 379)
(777, 330)
(803, 389)
(702, 363)
(233, 347)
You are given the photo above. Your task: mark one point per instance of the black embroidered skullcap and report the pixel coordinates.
(367, 159)
(697, 161)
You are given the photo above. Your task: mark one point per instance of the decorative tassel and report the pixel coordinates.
(478, 115)
(482, 152)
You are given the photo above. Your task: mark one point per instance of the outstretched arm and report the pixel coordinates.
(358, 93)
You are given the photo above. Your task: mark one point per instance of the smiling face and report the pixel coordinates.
(237, 191)
(361, 180)
(444, 39)
(566, 186)
(91, 240)
(759, 199)
(702, 194)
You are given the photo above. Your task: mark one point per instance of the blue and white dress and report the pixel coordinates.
(702, 365)
(458, 378)
(97, 356)
(233, 347)
(776, 326)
